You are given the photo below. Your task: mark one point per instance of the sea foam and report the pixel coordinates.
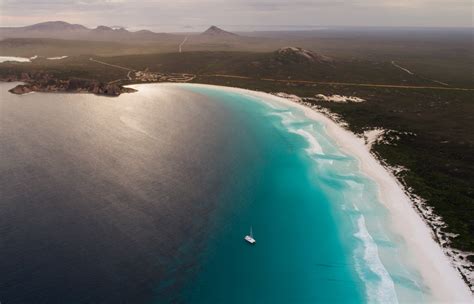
(380, 289)
(314, 146)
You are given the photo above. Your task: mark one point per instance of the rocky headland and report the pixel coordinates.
(43, 82)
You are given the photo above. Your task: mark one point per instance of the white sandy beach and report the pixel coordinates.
(14, 59)
(57, 58)
(426, 255)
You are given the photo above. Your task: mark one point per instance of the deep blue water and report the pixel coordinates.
(146, 198)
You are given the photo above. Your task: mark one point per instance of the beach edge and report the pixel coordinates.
(436, 268)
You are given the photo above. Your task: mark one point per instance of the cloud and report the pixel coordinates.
(257, 12)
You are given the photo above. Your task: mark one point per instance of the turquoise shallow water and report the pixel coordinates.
(146, 198)
(311, 211)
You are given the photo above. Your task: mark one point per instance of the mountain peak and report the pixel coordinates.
(216, 31)
(55, 26)
(214, 28)
(103, 28)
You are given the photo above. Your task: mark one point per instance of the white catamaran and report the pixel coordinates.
(249, 238)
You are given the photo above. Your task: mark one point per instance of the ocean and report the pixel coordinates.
(146, 198)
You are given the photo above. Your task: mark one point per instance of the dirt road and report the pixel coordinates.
(374, 85)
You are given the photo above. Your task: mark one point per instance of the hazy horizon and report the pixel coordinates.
(187, 15)
(172, 28)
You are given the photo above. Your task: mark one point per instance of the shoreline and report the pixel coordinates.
(445, 282)
(435, 222)
(436, 264)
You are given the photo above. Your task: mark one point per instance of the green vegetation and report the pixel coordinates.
(270, 65)
(72, 67)
(438, 54)
(435, 140)
(432, 128)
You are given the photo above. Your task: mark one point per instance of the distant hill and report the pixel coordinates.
(300, 55)
(215, 38)
(54, 26)
(142, 41)
(214, 31)
(64, 30)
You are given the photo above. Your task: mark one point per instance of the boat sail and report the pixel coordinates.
(249, 238)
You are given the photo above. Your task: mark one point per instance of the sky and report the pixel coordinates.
(190, 15)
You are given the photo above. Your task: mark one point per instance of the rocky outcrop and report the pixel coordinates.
(45, 83)
(109, 89)
(21, 89)
(300, 55)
